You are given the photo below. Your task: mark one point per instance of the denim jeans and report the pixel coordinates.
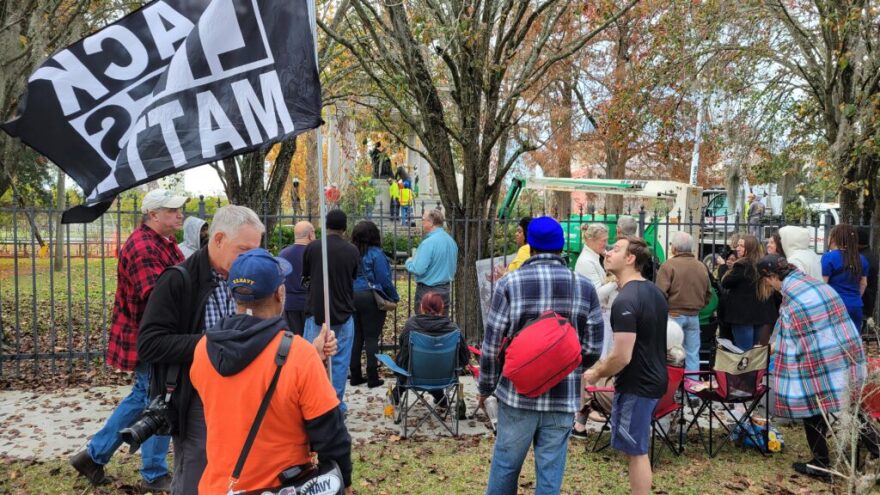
(405, 215)
(745, 336)
(342, 359)
(154, 451)
(691, 328)
(516, 430)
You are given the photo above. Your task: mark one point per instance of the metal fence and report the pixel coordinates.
(53, 321)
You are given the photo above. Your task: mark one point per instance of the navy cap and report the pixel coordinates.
(257, 274)
(545, 234)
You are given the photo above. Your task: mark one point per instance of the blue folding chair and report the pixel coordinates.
(432, 367)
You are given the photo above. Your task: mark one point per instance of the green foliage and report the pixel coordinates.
(795, 212)
(281, 237)
(392, 243)
(358, 196)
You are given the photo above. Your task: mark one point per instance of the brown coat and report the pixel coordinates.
(685, 283)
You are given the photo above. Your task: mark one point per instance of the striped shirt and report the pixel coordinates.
(543, 282)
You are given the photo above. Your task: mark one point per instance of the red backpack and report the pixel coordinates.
(542, 353)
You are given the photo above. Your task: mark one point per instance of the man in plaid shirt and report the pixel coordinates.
(543, 282)
(148, 251)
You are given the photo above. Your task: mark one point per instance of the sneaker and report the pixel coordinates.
(375, 383)
(158, 485)
(88, 468)
(580, 435)
(354, 382)
(807, 469)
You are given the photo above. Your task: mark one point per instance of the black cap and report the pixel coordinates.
(336, 220)
(773, 264)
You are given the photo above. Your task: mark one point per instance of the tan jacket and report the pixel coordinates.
(685, 283)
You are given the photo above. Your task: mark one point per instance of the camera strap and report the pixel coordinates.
(172, 376)
(280, 359)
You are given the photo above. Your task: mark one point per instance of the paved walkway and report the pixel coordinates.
(53, 425)
(47, 426)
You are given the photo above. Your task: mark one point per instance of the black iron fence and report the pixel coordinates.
(55, 318)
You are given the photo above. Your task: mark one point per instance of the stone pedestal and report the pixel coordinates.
(381, 206)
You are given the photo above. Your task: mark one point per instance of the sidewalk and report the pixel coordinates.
(58, 424)
(53, 425)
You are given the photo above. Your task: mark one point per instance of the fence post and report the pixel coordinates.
(642, 215)
(201, 206)
(829, 219)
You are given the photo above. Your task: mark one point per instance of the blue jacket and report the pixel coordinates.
(436, 259)
(374, 272)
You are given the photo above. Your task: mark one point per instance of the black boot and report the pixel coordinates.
(92, 471)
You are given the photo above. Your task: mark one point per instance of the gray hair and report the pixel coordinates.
(435, 216)
(626, 225)
(594, 230)
(682, 242)
(230, 219)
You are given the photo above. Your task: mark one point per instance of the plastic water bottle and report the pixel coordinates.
(388, 411)
(490, 405)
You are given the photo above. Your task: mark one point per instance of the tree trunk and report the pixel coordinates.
(472, 233)
(312, 194)
(61, 201)
(560, 204)
(246, 183)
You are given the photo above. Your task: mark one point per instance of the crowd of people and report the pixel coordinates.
(217, 313)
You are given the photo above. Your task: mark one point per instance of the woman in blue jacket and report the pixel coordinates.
(374, 277)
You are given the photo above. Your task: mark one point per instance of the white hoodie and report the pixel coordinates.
(796, 244)
(191, 241)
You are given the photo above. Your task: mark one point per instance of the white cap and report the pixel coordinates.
(161, 198)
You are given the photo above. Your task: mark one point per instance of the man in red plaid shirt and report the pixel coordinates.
(148, 251)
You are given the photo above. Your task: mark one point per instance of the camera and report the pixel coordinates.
(155, 420)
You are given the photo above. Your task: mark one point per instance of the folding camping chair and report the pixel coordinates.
(432, 367)
(869, 438)
(737, 378)
(665, 406)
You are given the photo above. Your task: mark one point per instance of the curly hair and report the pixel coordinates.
(365, 235)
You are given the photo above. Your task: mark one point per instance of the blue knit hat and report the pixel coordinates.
(545, 234)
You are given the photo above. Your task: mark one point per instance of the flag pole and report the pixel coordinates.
(323, 202)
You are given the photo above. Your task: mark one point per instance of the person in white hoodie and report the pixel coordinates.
(195, 234)
(796, 245)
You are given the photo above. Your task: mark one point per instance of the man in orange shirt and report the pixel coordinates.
(232, 368)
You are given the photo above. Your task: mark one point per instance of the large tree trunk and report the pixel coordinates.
(615, 141)
(560, 118)
(246, 184)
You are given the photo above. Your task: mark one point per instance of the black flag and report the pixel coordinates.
(176, 84)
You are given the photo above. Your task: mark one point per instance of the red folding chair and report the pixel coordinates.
(737, 378)
(870, 436)
(665, 406)
(474, 368)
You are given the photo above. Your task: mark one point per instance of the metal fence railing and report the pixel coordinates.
(52, 320)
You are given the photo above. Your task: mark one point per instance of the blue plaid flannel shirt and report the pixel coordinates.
(220, 303)
(543, 282)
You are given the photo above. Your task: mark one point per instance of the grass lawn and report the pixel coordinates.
(427, 466)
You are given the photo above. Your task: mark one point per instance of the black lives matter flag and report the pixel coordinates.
(176, 84)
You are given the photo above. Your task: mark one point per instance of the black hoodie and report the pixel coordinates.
(236, 341)
(431, 325)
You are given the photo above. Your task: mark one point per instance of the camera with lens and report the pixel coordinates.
(155, 420)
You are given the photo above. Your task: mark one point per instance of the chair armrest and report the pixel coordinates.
(595, 390)
(697, 373)
(387, 361)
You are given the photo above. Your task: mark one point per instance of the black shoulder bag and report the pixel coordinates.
(323, 479)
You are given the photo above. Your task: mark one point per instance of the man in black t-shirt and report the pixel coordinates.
(637, 358)
(342, 266)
